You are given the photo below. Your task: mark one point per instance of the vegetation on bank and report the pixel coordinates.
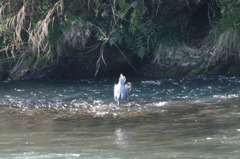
(37, 34)
(223, 41)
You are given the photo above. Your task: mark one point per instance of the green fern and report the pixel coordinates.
(134, 21)
(140, 47)
(135, 34)
(124, 8)
(117, 37)
(135, 17)
(122, 3)
(132, 29)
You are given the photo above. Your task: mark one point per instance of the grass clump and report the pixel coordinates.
(223, 42)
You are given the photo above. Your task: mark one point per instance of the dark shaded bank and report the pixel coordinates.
(78, 67)
(84, 66)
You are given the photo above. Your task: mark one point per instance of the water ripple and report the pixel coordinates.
(96, 97)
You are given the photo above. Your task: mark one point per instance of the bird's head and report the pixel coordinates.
(122, 79)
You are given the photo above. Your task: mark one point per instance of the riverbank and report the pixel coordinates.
(148, 39)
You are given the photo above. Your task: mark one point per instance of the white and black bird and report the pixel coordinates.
(121, 90)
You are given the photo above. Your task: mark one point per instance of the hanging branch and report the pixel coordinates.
(106, 39)
(115, 19)
(126, 58)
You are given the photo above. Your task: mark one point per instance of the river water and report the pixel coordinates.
(167, 118)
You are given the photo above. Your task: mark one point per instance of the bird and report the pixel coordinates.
(121, 90)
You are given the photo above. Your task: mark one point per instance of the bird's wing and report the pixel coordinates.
(127, 89)
(126, 92)
(115, 92)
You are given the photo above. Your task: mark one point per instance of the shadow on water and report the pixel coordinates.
(186, 118)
